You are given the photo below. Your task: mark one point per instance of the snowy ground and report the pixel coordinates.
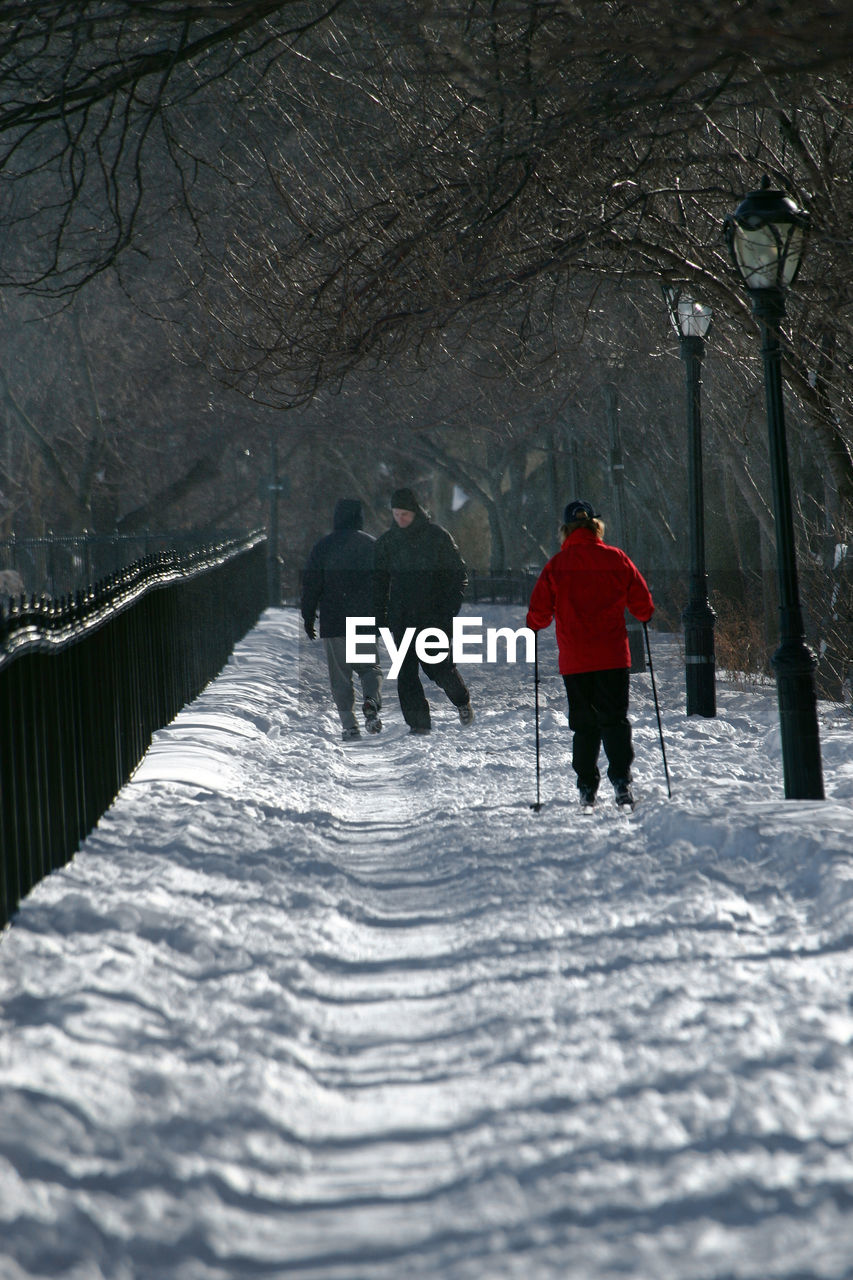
(300, 1009)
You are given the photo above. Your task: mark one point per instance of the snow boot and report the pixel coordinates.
(587, 796)
(372, 723)
(623, 793)
(466, 713)
(349, 735)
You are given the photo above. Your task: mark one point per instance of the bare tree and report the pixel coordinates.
(108, 111)
(345, 185)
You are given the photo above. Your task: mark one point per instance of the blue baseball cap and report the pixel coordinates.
(578, 511)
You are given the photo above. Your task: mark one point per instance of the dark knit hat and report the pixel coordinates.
(404, 500)
(578, 511)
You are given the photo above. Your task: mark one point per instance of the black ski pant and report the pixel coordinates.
(410, 691)
(598, 716)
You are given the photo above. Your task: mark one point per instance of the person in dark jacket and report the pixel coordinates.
(586, 588)
(420, 582)
(338, 579)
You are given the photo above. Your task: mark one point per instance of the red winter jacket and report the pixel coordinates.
(587, 586)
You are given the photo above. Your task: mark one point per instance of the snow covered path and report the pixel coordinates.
(301, 1009)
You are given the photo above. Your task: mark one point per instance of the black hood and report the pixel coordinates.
(348, 514)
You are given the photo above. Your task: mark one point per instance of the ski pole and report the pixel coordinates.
(538, 805)
(657, 708)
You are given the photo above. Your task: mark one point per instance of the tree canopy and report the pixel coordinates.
(318, 190)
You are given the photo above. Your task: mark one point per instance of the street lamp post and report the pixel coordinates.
(274, 488)
(691, 321)
(617, 475)
(766, 236)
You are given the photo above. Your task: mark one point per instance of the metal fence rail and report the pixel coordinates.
(85, 682)
(59, 564)
(507, 586)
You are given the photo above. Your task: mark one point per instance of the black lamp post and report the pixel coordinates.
(617, 473)
(274, 488)
(766, 236)
(691, 321)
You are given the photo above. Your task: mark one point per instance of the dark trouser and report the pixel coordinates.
(340, 679)
(410, 691)
(598, 716)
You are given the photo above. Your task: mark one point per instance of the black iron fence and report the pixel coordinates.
(60, 564)
(86, 680)
(508, 586)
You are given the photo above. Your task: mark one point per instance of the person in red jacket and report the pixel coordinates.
(586, 587)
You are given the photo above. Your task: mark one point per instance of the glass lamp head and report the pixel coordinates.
(766, 236)
(689, 319)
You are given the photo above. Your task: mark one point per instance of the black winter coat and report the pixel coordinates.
(339, 574)
(420, 577)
